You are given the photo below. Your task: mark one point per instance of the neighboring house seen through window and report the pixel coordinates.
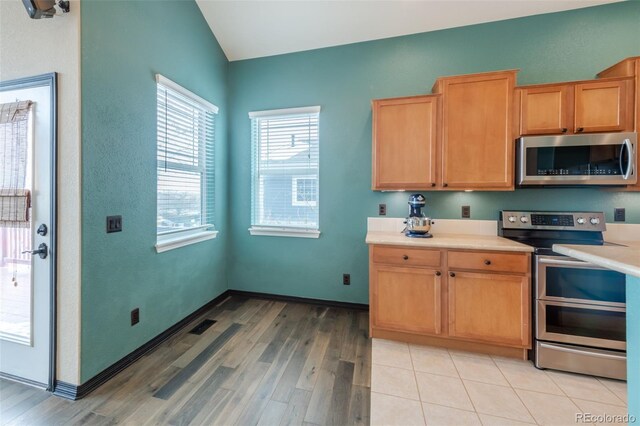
(285, 162)
(185, 165)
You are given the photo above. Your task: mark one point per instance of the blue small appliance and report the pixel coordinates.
(418, 225)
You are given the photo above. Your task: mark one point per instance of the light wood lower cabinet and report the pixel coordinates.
(493, 308)
(463, 299)
(406, 299)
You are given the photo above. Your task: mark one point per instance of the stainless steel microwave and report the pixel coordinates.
(589, 159)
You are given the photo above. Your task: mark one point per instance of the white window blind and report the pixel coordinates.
(185, 157)
(15, 179)
(285, 163)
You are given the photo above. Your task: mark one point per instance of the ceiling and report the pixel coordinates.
(251, 29)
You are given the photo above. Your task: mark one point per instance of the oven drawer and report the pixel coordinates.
(406, 256)
(580, 324)
(578, 359)
(489, 261)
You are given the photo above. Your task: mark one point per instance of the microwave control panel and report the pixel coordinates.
(575, 221)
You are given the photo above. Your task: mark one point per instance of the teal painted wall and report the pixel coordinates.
(124, 44)
(633, 346)
(343, 80)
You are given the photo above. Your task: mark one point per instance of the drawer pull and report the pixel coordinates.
(438, 273)
(452, 274)
(405, 257)
(487, 262)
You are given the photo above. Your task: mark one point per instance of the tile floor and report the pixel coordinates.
(422, 385)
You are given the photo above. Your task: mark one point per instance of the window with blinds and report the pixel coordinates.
(186, 129)
(285, 162)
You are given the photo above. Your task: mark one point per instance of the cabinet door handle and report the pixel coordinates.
(445, 184)
(438, 273)
(405, 257)
(580, 129)
(487, 262)
(564, 130)
(452, 274)
(433, 184)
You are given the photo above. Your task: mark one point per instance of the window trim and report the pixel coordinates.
(285, 111)
(285, 231)
(169, 240)
(160, 79)
(176, 239)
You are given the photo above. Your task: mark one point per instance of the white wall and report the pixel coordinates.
(32, 47)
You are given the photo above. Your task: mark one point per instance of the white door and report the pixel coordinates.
(26, 278)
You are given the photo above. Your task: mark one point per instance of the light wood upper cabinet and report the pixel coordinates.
(404, 142)
(576, 107)
(406, 299)
(545, 110)
(603, 106)
(629, 67)
(492, 308)
(477, 131)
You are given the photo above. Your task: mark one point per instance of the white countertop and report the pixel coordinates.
(617, 258)
(446, 240)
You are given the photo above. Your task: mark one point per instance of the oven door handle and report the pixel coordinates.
(562, 262)
(609, 308)
(626, 144)
(582, 352)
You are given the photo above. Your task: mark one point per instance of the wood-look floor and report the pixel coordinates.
(263, 362)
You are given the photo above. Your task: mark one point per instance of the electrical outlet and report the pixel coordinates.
(346, 279)
(382, 209)
(114, 224)
(135, 316)
(466, 212)
(618, 215)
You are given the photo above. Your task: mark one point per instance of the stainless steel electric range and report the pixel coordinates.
(579, 309)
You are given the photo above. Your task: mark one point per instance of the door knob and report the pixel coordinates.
(452, 274)
(438, 273)
(42, 251)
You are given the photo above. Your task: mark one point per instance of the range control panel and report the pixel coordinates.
(575, 221)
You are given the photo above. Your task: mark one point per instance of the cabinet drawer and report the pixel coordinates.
(406, 256)
(489, 261)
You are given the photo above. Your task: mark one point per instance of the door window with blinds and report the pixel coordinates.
(185, 165)
(285, 172)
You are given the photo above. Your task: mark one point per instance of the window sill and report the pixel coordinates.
(285, 232)
(173, 241)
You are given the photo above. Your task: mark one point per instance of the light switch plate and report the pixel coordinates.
(114, 224)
